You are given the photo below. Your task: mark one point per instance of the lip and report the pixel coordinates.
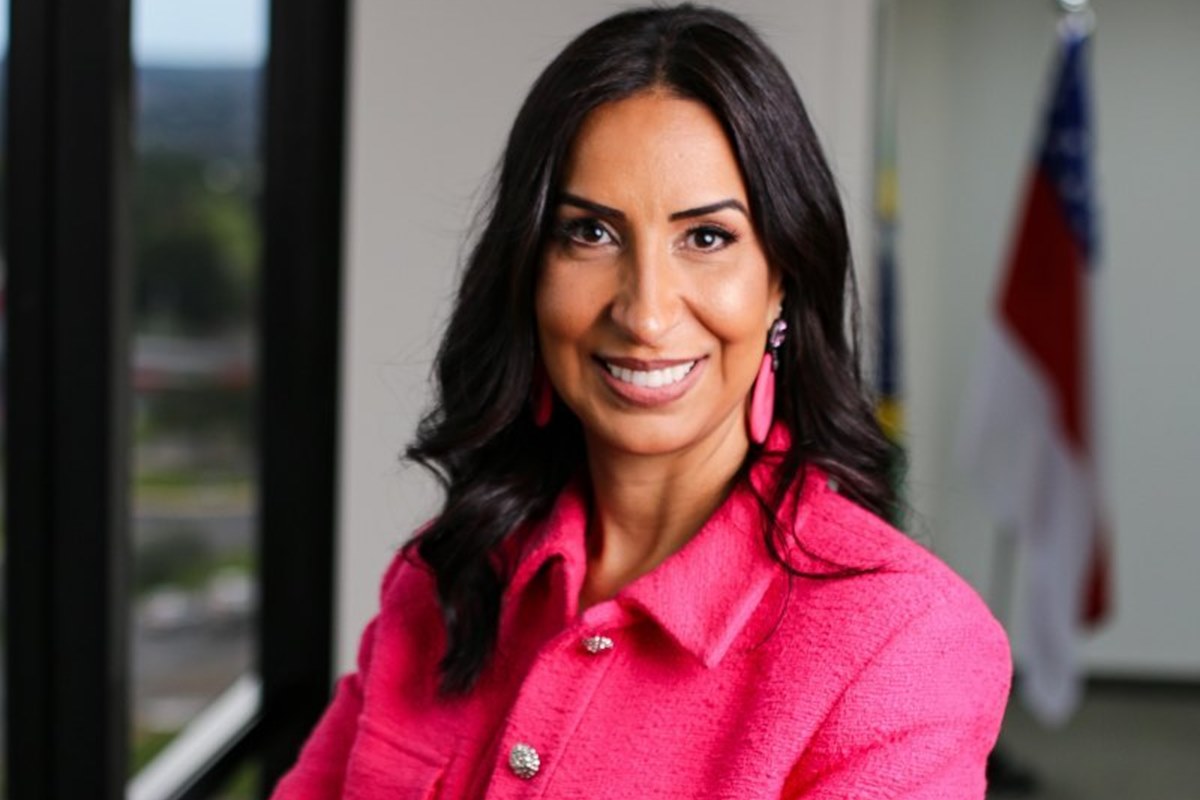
(650, 396)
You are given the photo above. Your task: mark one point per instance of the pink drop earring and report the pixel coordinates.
(541, 396)
(762, 396)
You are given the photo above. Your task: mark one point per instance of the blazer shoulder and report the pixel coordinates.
(408, 582)
(891, 578)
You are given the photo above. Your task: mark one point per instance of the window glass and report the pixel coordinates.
(196, 244)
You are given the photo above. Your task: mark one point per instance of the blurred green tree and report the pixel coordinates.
(196, 245)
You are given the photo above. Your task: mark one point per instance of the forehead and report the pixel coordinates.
(653, 146)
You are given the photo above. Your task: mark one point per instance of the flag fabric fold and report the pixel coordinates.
(1027, 439)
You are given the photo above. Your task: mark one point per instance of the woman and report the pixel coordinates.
(660, 568)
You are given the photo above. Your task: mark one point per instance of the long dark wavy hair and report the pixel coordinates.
(497, 468)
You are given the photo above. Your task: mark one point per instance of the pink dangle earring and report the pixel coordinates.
(762, 396)
(541, 396)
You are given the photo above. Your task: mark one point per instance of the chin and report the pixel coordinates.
(651, 437)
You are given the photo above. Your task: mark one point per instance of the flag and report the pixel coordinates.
(1027, 438)
(889, 399)
(889, 407)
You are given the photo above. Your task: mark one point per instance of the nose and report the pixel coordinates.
(648, 302)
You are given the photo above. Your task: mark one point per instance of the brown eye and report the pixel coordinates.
(709, 238)
(586, 232)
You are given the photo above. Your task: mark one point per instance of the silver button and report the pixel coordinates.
(523, 760)
(597, 644)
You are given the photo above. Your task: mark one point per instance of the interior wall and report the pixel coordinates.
(433, 89)
(971, 78)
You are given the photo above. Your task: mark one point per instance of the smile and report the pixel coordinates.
(650, 378)
(650, 384)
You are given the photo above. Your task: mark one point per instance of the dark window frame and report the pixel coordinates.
(68, 156)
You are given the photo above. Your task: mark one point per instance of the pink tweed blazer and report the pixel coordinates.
(713, 676)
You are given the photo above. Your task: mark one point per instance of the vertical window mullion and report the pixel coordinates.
(300, 334)
(68, 276)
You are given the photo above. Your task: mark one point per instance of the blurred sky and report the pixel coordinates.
(190, 32)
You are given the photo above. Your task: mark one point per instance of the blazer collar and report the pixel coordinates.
(701, 596)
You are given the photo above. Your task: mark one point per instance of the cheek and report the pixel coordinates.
(557, 307)
(566, 309)
(740, 310)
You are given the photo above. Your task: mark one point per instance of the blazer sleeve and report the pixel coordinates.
(320, 771)
(919, 720)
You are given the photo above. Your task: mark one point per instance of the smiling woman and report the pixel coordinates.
(660, 568)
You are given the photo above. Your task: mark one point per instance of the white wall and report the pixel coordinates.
(971, 77)
(433, 89)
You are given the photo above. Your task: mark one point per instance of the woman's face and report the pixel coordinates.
(654, 297)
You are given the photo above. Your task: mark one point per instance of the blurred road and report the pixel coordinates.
(186, 651)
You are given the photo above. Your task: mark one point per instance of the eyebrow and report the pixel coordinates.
(569, 199)
(612, 213)
(711, 208)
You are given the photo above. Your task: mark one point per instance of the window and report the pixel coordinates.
(196, 245)
(130, 409)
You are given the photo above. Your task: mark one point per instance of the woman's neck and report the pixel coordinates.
(646, 507)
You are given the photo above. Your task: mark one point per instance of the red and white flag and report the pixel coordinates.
(1027, 432)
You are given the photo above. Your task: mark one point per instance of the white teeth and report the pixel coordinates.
(652, 378)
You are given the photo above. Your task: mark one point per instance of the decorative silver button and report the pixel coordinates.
(523, 760)
(597, 644)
